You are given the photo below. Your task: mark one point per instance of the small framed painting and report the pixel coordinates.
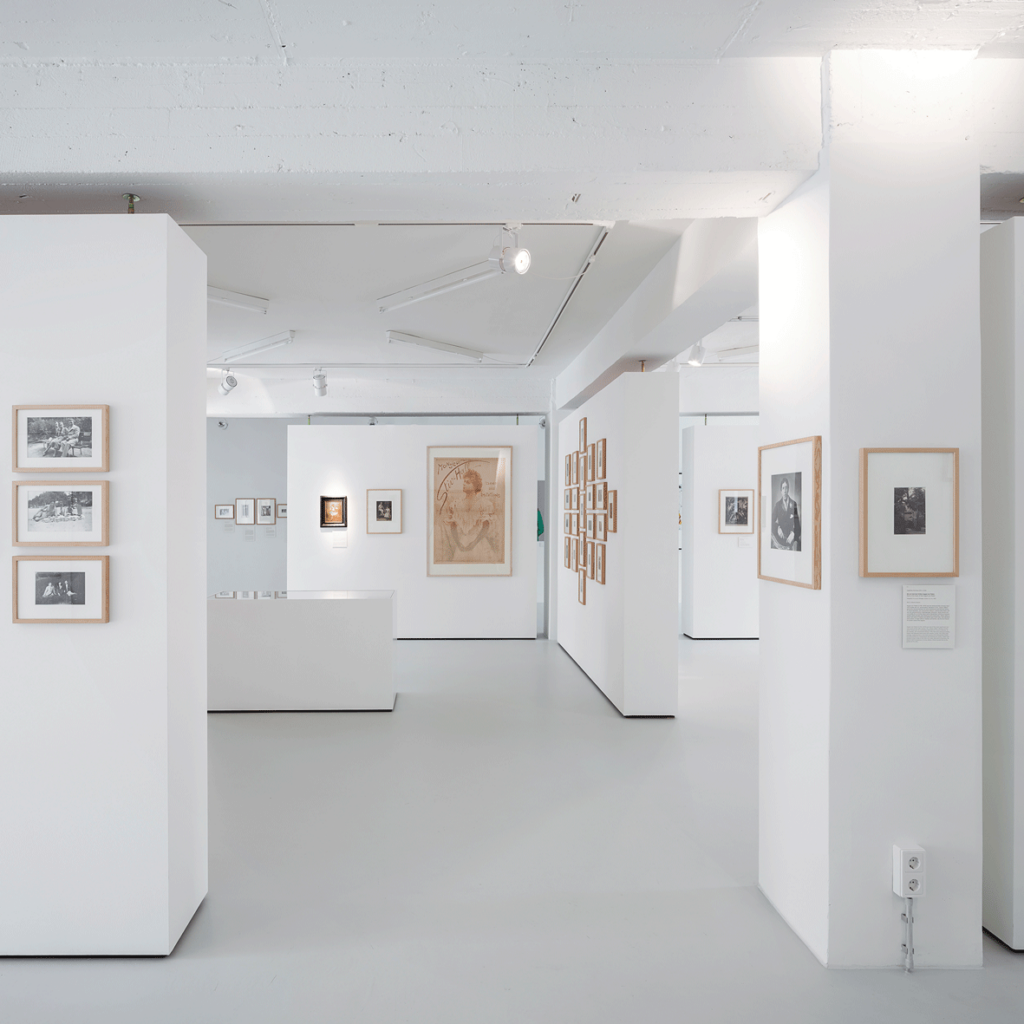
(613, 511)
(384, 511)
(333, 512)
(245, 511)
(602, 469)
(63, 588)
(599, 555)
(591, 525)
(600, 526)
(583, 434)
(59, 512)
(581, 586)
(601, 496)
(590, 560)
(69, 438)
(592, 462)
(282, 511)
(789, 512)
(223, 511)
(266, 511)
(567, 551)
(574, 555)
(735, 511)
(910, 512)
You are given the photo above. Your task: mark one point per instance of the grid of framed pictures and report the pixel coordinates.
(61, 513)
(590, 510)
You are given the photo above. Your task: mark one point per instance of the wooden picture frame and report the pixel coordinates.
(591, 525)
(583, 434)
(59, 585)
(592, 462)
(60, 513)
(245, 511)
(568, 470)
(590, 560)
(735, 510)
(567, 498)
(574, 460)
(567, 522)
(788, 538)
(266, 511)
(574, 555)
(602, 466)
(581, 586)
(222, 512)
(45, 438)
(601, 496)
(581, 458)
(600, 554)
(384, 510)
(333, 512)
(909, 512)
(613, 511)
(591, 497)
(574, 499)
(601, 526)
(567, 551)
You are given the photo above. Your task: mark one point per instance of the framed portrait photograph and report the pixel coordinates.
(282, 511)
(613, 511)
(333, 512)
(61, 512)
(736, 511)
(245, 511)
(266, 511)
(469, 529)
(567, 551)
(590, 559)
(600, 526)
(601, 496)
(600, 467)
(65, 438)
(583, 434)
(599, 556)
(384, 510)
(574, 555)
(581, 586)
(789, 512)
(910, 512)
(61, 588)
(223, 511)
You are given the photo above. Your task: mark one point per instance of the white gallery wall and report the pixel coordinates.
(625, 637)
(349, 460)
(103, 726)
(867, 272)
(1002, 383)
(718, 571)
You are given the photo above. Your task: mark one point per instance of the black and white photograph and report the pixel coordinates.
(908, 511)
(384, 511)
(245, 512)
(223, 511)
(786, 497)
(69, 438)
(61, 588)
(266, 512)
(58, 512)
(736, 511)
(282, 511)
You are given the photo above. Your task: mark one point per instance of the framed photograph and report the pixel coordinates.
(574, 555)
(592, 462)
(583, 434)
(599, 555)
(601, 468)
(789, 512)
(61, 512)
(574, 460)
(590, 560)
(333, 512)
(735, 511)
(910, 512)
(613, 511)
(591, 496)
(223, 511)
(575, 498)
(600, 526)
(266, 511)
(224, 595)
(65, 438)
(567, 551)
(567, 498)
(245, 511)
(575, 522)
(567, 522)
(581, 458)
(568, 470)
(469, 532)
(384, 511)
(591, 525)
(601, 496)
(282, 511)
(61, 588)
(581, 586)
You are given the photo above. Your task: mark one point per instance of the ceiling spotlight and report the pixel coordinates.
(319, 384)
(513, 258)
(227, 383)
(697, 354)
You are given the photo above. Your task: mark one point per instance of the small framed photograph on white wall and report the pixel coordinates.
(62, 588)
(69, 514)
(736, 511)
(384, 511)
(65, 438)
(223, 511)
(266, 512)
(245, 511)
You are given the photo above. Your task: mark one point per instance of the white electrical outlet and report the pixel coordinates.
(908, 871)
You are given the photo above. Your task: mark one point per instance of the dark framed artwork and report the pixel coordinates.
(333, 512)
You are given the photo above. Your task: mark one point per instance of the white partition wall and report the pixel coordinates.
(348, 460)
(718, 571)
(103, 726)
(625, 637)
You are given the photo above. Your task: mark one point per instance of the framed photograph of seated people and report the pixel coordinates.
(789, 512)
(384, 511)
(910, 512)
(61, 512)
(61, 588)
(64, 438)
(735, 511)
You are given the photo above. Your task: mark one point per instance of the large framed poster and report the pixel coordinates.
(910, 512)
(469, 532)
(789, 512)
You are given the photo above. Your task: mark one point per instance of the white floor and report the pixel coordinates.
(504, 848)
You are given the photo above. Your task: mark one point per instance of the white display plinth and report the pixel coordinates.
(311, 650)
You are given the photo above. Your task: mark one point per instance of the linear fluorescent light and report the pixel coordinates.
(275, 341)
(240, 300)
(441, 346)
(439, 285)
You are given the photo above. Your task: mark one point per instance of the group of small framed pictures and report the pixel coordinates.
(909, 512)
(61, 439)
(383, 511)
(250, 595)
(252, 512)
(590, 511)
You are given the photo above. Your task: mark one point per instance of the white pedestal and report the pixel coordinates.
(312, 650)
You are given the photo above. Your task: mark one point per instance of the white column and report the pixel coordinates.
(869, 337)
(103, 727)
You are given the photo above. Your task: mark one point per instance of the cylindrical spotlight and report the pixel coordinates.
(229, 382)
(319, 384)
(515, 259)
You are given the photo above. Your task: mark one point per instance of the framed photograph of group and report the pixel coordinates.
(61, 588)
(64, 438)
(910, 512)
(789, 512)
(735, 511)
(70, 514)
(384, 510)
